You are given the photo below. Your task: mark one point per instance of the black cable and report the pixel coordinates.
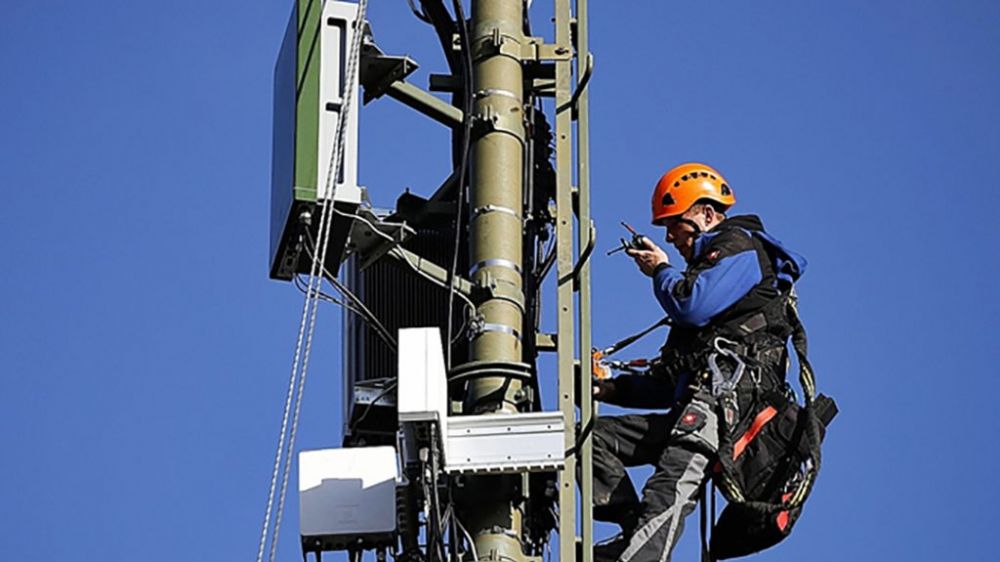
(444, 27)
(419, 13)
(463, 31)
(437, 497)
(435, 523)
(431, 545)
(368, 407)
(301, 286)
(550, 259)
(584, 435)
(387, 337)
(359, 307)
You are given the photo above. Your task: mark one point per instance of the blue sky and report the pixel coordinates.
(144, 352)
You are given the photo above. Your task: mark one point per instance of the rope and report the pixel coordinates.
(309, 309)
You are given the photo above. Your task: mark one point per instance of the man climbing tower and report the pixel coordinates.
(728, 315)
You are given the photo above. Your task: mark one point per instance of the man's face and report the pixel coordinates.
(681, 233)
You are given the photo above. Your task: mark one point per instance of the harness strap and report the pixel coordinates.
(758, 423)
(617, 346)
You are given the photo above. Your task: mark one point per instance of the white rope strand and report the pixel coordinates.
(317, 267)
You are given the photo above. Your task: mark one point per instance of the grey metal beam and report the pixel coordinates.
(430, 268)
(425, 103)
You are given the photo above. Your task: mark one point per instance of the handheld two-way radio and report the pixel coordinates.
(634, 244)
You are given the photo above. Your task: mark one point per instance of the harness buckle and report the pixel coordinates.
(723, 383)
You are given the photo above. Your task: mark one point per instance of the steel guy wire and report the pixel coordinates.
(309, 308)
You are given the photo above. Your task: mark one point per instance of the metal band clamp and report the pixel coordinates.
(503, 328)
(496, 262)
(498, 92)
(494, 209)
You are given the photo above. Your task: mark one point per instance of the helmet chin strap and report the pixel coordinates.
(697, 229)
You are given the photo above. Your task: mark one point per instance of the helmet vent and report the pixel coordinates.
(677, 184)
(667, 200)
(726, 190)
(684, 177)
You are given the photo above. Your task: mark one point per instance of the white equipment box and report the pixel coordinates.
(484, 444)
(347, 497)
(505, 443)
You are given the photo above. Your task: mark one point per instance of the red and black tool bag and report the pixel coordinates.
(771, 467)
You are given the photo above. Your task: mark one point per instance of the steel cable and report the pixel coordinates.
(309, 309)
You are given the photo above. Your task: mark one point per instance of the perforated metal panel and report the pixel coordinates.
(400, 299)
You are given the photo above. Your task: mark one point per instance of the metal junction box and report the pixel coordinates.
(347, 497)
(512, 443)
(485, 444)
(309, 93)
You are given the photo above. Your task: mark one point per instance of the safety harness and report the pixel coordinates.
(769, 445)
(769, 460)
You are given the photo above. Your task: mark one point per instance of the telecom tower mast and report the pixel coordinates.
(449, 390)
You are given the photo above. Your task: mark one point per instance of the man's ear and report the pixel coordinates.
(711, 217)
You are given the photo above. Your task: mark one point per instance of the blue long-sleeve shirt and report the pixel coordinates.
(724, 268)
(721, 274)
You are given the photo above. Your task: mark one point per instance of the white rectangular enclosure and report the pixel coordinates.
(505, 443)
(346, 495)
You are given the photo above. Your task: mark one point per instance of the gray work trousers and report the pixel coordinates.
(681, 446)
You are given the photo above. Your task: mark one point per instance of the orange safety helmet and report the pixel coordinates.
(685, 185)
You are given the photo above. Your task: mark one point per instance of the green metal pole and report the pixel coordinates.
(495, 198)
(564, 292)
(495, 246)
(586, 232)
